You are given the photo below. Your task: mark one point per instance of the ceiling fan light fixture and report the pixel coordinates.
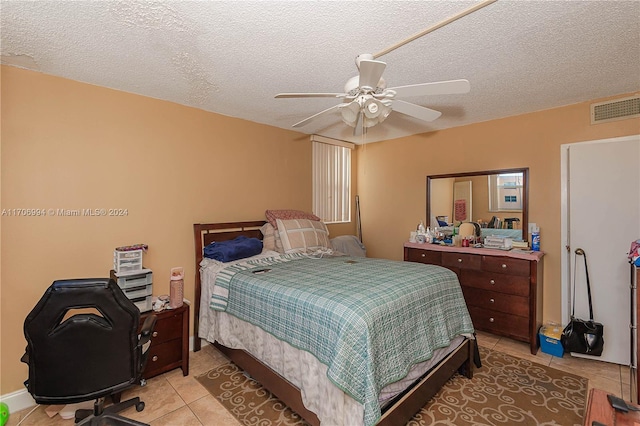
(376, 111)
(371, 108)
(350, 113)
(373, 111)
(369, 122)
(384, 114)
(385, 110)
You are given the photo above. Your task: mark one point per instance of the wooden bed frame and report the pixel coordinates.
(403, 407)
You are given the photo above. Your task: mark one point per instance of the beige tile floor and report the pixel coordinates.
(173, 399)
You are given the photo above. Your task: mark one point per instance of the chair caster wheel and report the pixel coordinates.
(140, 406)
(143, 382)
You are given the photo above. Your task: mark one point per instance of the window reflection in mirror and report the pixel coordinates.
(512, 212)
(505, 192)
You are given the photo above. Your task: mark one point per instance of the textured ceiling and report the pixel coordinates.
(232, 57)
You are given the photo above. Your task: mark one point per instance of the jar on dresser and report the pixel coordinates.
(503, 289)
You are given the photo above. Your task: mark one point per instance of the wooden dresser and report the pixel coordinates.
(503, 289)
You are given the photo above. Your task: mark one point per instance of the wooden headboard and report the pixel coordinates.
(206, 233)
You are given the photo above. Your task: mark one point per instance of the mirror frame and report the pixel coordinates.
(525, 191)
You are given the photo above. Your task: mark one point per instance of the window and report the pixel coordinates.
(331, 179)
(505, 192)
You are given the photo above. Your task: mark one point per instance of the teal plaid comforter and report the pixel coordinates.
(368, 320)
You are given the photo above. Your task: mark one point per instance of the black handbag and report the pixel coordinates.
(582, 336)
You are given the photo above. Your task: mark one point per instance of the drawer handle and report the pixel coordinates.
(492, 301)
(155, 334)
(423, 255)
(492, 282)
(155, 357)
(459, 260)
(504, 266)
(491, 320)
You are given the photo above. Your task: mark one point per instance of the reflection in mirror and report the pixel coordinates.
(500, 209)
(505, 192)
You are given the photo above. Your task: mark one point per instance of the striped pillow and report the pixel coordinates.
(303, 235)
(273, 215)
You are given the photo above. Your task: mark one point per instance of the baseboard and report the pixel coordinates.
(18, 400)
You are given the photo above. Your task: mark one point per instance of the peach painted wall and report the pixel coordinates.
(392, 176)
(69, 145)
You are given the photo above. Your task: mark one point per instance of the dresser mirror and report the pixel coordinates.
(497, 199)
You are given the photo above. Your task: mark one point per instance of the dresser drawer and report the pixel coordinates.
(500, 323)
(505, 265)
(423, 256)
(461, 260)
(509, 284)
(492, 300)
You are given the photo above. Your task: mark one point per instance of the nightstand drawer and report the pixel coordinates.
(509, 284)
(162, 355)
(461, 261)
(504, 265)
(499, 323)
(423, 256)
(167, 327)
(492, 300)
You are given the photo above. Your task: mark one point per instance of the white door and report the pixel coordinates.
(603, 218)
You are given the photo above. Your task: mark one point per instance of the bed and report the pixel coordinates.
(288, 369)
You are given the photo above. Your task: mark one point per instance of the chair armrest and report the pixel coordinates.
(144, 342)
(147, 329)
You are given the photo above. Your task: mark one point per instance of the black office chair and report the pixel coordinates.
(83, 344)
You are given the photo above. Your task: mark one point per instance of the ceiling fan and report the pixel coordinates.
(367, 101)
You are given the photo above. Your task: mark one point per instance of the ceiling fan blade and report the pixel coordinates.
(311, 95)
(438, 88)
(415, 111)
(313, 117)
(370, 72)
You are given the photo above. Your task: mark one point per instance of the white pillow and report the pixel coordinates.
(303, 235)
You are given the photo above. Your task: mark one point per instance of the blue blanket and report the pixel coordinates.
(239, 248)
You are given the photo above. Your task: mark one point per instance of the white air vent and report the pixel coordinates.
(618, 109)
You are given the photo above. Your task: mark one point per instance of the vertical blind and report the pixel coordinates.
(331, 182)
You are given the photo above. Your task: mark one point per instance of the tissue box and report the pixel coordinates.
(550, 340)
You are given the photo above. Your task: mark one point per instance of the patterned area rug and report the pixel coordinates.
(505, 391)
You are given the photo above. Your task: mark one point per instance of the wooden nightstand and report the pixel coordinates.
(169, 343)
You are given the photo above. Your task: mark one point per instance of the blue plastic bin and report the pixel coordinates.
(550, 345)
